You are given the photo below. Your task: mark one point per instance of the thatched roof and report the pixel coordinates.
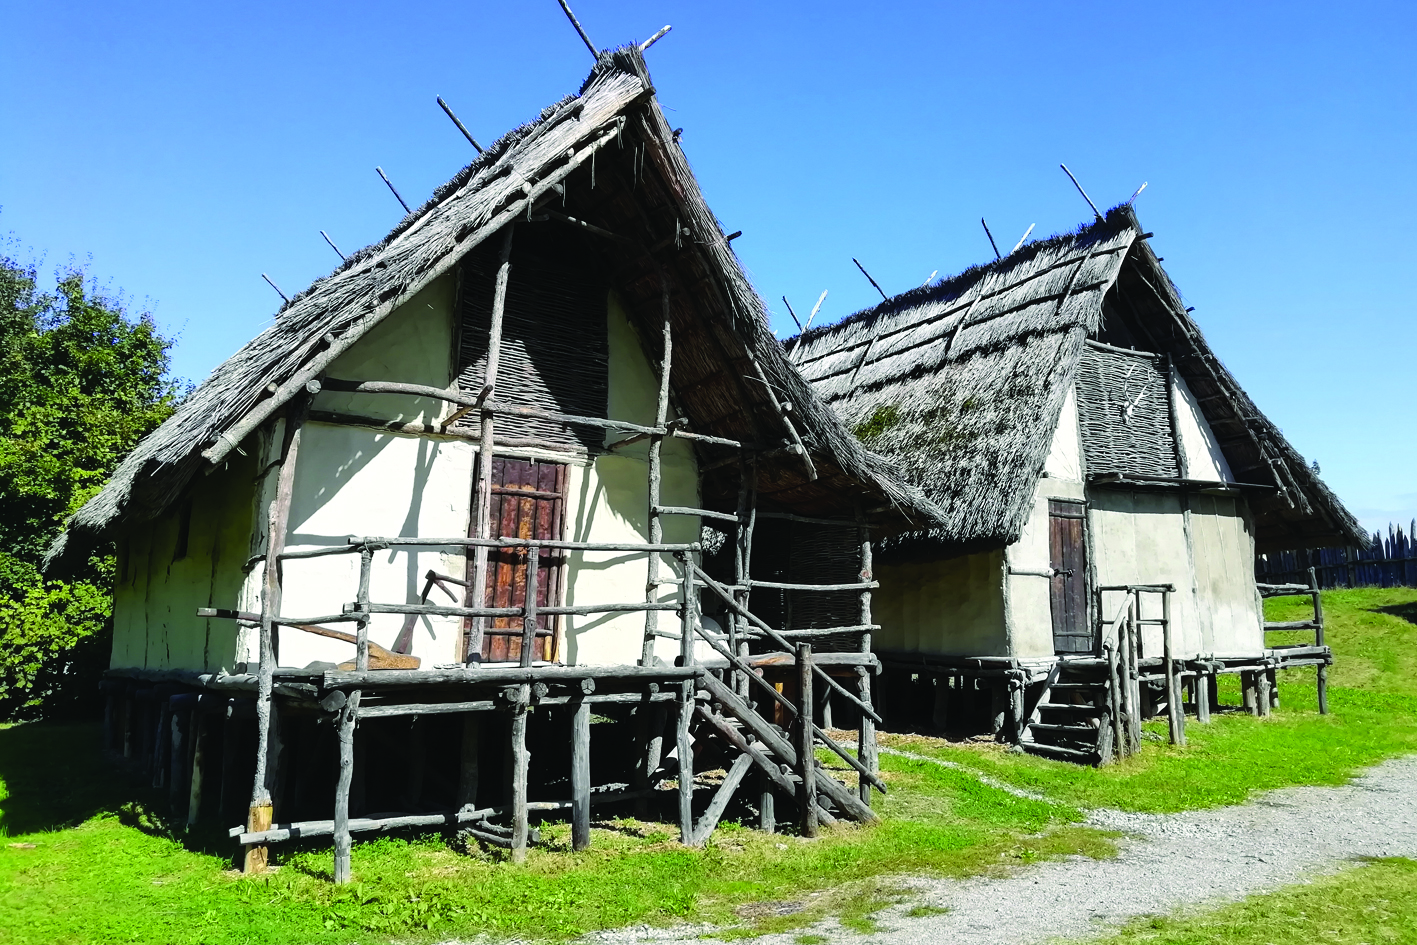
(606, 156)
(963, 381)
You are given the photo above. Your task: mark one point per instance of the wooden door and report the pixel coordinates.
(1068, 553)
(528, 501)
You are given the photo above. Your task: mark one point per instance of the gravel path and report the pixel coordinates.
(1167, 862)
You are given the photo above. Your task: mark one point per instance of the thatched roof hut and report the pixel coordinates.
(657, 228)
(963, 381)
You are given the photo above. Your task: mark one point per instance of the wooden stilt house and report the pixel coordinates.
(534, 455)
(1106, 484)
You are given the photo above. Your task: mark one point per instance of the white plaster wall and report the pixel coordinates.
(953, 607)
(1030, 604)
(413, 345)
(610, 503)
(1225, 585)
(1199, 447)
(1065, 454)
(156, 596)
(1139, 538)
(360, 481)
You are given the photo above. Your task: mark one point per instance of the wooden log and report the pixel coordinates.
(201, 738)
(1115, 701)
(856, 586)
(1248, 692)
(806, 743)
(742, 558)
(510, 675)
(719, 803)
(482, 508)
(277, 521)
(529, 618)
(1272, 678)
(521, 762)
(685, 754)
(838, 793)
(1133, 683)
(379, 542)
(701, 513)
(998, 707)
(1202, 697)
(940, 712)
(655, 472)
(754, 750)
(767, 804)
(866, 728)
(1175, 717)
(1262, 693)
(340, 827)
(1322, 670)
(580, 775)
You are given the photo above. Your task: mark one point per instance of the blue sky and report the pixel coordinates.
(180, 150)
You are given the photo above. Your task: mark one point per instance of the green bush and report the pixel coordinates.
(80, 384)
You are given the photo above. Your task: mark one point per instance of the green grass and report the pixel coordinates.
(83, 858)
(123, 876)
(1372, 698)
(1369, 904)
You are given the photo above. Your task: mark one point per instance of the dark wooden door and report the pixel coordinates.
(1068, 557)
(528, 501)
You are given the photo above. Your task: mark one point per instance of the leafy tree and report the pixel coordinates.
(80, 384)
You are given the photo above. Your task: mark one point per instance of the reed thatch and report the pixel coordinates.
(606, 156)
(962, 382)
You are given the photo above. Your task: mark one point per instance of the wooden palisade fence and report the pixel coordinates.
(1387, 562)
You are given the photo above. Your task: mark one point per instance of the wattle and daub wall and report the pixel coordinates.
(359, 479)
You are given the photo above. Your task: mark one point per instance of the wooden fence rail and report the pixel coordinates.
(1386, 562)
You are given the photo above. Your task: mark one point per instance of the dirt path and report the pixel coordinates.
(1167, 862)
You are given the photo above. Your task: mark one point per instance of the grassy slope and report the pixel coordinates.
(1369, 904)
(122, 876)
(1373, 702)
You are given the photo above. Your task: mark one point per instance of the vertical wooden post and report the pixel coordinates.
(1175, 717)
(529, 608)
(686, 762)
(1017, 682)
(1248, 692)
(361, 626)
(261, 813)
(866, 733)
(1323, 688)
(521, 761)
(656, 444)
(806, 742)
(1202, 691)
(1262, 692)
(767, 804)
(348, 717)
(743, 558)
(468, 766)
(201, 728)
(580, 774)
(1115, 699)
(1130, 679)
(688, 609)
(482, 525)
(184, 714)
(1322, 674)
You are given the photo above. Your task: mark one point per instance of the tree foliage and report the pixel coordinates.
(81, 383)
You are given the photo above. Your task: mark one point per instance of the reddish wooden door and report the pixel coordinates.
(1068, 551)
(528, 501)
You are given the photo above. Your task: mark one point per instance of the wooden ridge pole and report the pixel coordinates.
(482, 526)
(656, 444)
(260, 812)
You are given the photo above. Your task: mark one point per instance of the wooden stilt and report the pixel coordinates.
(684, 750)
(998, 707)
(1115, 702)
(468, 766)
(179, 771)
(162, 743)
(1262, 690)
(260, 813)
(1323, 688)
(482, 526)
(521, 762)
(348, 717)
(1133, 683)
(767, 805)
(1202, 697)
(580, 775)
(1016, 709)
(201, 737)
(1249, 691)
(1272, 680)
(1175, 718)
(940, 716)
(806, 744)
(743, 557)
(650, 720)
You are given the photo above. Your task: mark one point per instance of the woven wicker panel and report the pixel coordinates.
(1125, 413)
(554, 350)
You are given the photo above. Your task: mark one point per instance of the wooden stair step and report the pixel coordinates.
(1100, 684)
(1052, 727)
(1058, 751)
(1071, 708)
